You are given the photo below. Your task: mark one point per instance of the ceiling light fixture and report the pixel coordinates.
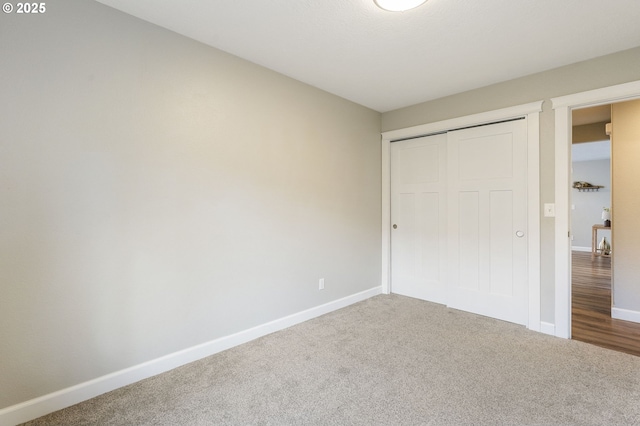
(398, 5)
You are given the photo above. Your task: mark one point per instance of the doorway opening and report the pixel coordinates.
(592, 248)
(563, 107)
(600, 268)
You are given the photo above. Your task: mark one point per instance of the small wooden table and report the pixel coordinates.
(594, 242)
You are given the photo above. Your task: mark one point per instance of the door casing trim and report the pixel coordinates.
(531, 112)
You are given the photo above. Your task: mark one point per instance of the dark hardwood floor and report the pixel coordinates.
(591, 320)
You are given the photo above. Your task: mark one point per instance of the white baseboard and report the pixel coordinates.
(58, 400)
(577, 248)
(625, 314)
(547, 328)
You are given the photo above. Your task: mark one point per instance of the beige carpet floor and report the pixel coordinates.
(389, 360)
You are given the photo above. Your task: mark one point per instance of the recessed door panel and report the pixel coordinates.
(469, 240)
(501, 236)
(418, 215)
(487, 235)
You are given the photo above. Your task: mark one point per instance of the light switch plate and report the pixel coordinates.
(549, 210)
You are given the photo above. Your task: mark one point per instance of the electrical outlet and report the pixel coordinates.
(321, 284)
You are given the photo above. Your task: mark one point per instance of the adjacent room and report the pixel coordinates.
(314, 212)
(596, 317)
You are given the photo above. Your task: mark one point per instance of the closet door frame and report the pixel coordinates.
(531, 112)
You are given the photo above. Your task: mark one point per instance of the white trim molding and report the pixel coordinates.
(625, 314)
(563, 106)
(533, 217)
(386, 216)
(468, 120)
(561, 230)
(532, 112)
(548, 328)
(605, 95)
(46, 404)
(578, 248)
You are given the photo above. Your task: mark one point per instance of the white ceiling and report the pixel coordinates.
(388, 60)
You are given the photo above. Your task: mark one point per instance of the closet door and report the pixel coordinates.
(418, 218)
(487, 225)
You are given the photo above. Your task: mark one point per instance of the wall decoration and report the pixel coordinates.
(586, 186)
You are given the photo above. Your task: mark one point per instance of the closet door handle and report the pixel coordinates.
(395, 226)
(519, 234)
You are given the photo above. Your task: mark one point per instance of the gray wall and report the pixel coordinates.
(605, 71)
(589, 204)
(158, 194)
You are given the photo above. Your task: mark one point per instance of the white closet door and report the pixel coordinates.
(418, 217)
(487, 226)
